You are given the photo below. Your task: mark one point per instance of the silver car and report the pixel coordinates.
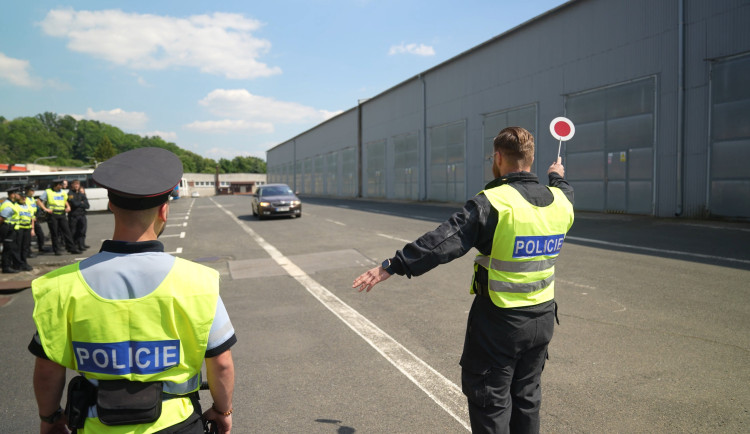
(275, 199)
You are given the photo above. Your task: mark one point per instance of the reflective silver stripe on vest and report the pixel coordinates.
(515, 267)
(521, 288)
(169, 387)
(182, 388)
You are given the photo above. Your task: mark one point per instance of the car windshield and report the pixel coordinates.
(275, 191)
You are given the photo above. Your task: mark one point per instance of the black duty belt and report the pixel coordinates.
(481, 289)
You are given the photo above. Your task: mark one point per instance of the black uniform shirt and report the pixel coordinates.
(78, 201)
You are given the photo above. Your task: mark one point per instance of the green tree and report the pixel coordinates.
(105, 150)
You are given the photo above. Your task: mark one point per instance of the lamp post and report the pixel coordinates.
(44, 158)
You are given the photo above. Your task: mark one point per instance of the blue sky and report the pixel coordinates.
(228, 78)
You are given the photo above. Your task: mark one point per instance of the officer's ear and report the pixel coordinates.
(163, 212)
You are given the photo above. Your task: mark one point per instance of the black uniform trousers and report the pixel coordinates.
(11, 257)
(78, 226)
(23, 240)
(504, 393)
(59, 231)
(39, 235)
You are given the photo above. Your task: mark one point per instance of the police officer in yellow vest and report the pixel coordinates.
(37, 226)
(9, 218)
(518, 226)
(24, 229)
(54, 201)
(134, 321)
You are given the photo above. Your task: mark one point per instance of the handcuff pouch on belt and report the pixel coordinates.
(118, 402)
(123, 402)
(81, 395)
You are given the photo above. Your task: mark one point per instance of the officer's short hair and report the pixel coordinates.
(516, 143)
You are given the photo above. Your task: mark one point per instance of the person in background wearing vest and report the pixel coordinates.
(79, 203)
(56, 207)
(38, 232)
(518, 226)
(9, 216)
(137, 323)
(24, 229)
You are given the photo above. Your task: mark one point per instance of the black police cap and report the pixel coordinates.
(141, 178)
(14, 189)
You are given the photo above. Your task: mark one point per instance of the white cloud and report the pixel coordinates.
(117, 117)
(220, 43)
(241, 104)
(16, 71)
(230, 125)
(419, 50)
(167, 136)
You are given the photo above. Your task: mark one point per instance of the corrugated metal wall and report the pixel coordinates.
(427, 137)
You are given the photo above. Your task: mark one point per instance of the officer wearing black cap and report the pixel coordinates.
(54, 201)
(38, 232)
(9, 218)
(24, 228)
(134, 321)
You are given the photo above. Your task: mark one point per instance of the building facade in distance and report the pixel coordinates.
(658, 91)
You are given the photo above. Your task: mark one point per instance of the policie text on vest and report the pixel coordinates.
(129, 357)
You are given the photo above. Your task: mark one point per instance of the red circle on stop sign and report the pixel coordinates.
(562, 128)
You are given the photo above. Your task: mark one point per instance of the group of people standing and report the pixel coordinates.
(21, 215)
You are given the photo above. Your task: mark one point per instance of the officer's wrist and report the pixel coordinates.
(223, 413)
(52, 418)
(387, 266)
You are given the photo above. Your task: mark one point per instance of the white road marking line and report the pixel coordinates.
(651, 249)
(336, 222)
(394, 238)
(729, 228)
(580, 285)
(441, 390)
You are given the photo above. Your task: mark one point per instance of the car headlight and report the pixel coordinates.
(295, 202)
(264, 204)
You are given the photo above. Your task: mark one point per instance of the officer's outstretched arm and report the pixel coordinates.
(371, 278)
(220, 373)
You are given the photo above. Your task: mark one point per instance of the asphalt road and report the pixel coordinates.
(654, 333)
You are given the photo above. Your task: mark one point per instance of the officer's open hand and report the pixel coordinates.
(369, 279)
(557, 167)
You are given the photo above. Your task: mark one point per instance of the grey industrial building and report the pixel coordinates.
(658, 90)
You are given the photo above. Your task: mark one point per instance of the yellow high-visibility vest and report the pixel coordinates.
(16, 217)
(159, 337)
(527, 241)
(56, 200)
(25, 215)
(32, 203)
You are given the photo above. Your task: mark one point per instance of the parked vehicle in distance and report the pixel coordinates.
(275, 200)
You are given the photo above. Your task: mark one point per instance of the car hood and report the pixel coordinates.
(283, 197)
